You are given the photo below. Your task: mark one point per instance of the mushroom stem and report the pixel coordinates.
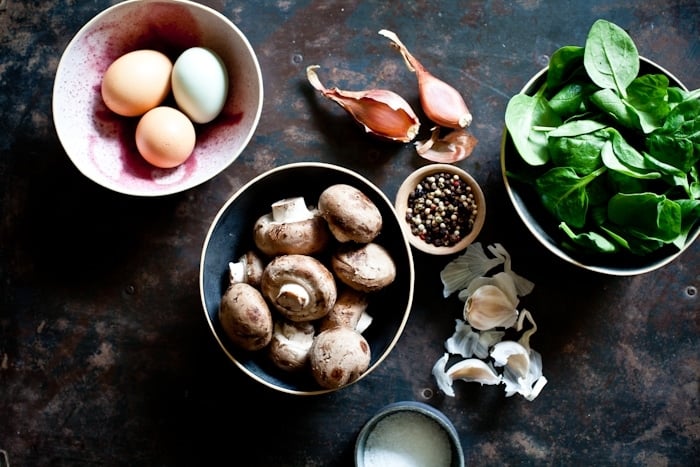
(291, 210)
(293, 297)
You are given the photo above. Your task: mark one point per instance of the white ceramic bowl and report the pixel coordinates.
(231, 236)
(101, 144)
(545, 229)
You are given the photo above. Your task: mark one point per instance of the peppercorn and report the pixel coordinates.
(441, 209)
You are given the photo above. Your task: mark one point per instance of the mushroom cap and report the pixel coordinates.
(248, 269)
(350, 214)
(303, 237)
(366, 268)
(339, 356)
(347, 310)
(245, 317)
(291, 343)
(300, 287)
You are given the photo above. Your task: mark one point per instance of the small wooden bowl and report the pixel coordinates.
(409, 185)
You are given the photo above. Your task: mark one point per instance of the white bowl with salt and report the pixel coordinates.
(408, 433)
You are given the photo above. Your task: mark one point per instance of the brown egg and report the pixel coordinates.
(136, 82)
(165, 137)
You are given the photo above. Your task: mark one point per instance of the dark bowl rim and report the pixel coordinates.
(405, 247)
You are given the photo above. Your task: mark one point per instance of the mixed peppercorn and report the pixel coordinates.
(441, 209)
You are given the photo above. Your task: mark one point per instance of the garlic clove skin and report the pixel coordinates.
(455, 146)
(489, 307)
(441, 103)
(473, 370)
(381, 112)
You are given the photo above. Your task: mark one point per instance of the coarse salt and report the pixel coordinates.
(407, 439)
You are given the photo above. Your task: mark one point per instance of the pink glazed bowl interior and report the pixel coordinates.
(102, 144)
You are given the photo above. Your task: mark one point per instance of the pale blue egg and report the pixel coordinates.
(200, 84)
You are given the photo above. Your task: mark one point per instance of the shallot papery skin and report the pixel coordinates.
(455, 146)
(442, 103)
(381, 112)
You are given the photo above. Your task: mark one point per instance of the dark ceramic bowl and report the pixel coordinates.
(388, 436)
(230, 236)
(545, 228)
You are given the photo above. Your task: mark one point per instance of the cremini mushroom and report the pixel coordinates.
(339, 356)
(350, 310)
(248, 268)
(366, 268)
(300, 287)
(245, 317)
(291, 227)
(351, 215)
(291, 343)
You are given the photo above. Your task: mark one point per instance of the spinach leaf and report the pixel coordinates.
(524, 115)
(562, 64)
(646, 215)
(632, 244)
(592, 241)
(568, 100)
(648, 95)
(613, 105)
(576, 128)
(563, 193)
(582, 152)
(610, 57)
(613, 162)
(678, 142)
(690, 213)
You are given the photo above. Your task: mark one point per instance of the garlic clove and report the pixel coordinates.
(443, 381)
(523, 369)
(453, 147)
(381, 112)
(441, 103)
(489, 307)
(512, 355)
(473, 370)
(461, 271)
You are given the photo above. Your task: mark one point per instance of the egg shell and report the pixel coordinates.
(136, 82)
(200, 84)
(165, 137)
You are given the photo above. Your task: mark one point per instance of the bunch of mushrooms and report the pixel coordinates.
(301, 293)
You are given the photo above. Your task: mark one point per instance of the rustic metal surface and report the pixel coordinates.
(105, 357)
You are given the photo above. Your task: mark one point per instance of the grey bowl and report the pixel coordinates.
(393, 420)
(545, 228)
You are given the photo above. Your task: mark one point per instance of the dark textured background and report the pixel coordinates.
(105, 356)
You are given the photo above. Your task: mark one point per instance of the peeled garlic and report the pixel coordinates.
(381, 112)
(523, 369)
(453, 147)
(489, 307)
(442, 103)
(470, 370)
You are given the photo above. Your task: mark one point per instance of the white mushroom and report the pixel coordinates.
(248, 269)
(245, 317)
(350, 214)
(300, 287)
(350, 310)
(291, 228)
(366, 268)
(291, 344)
(338, 357)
